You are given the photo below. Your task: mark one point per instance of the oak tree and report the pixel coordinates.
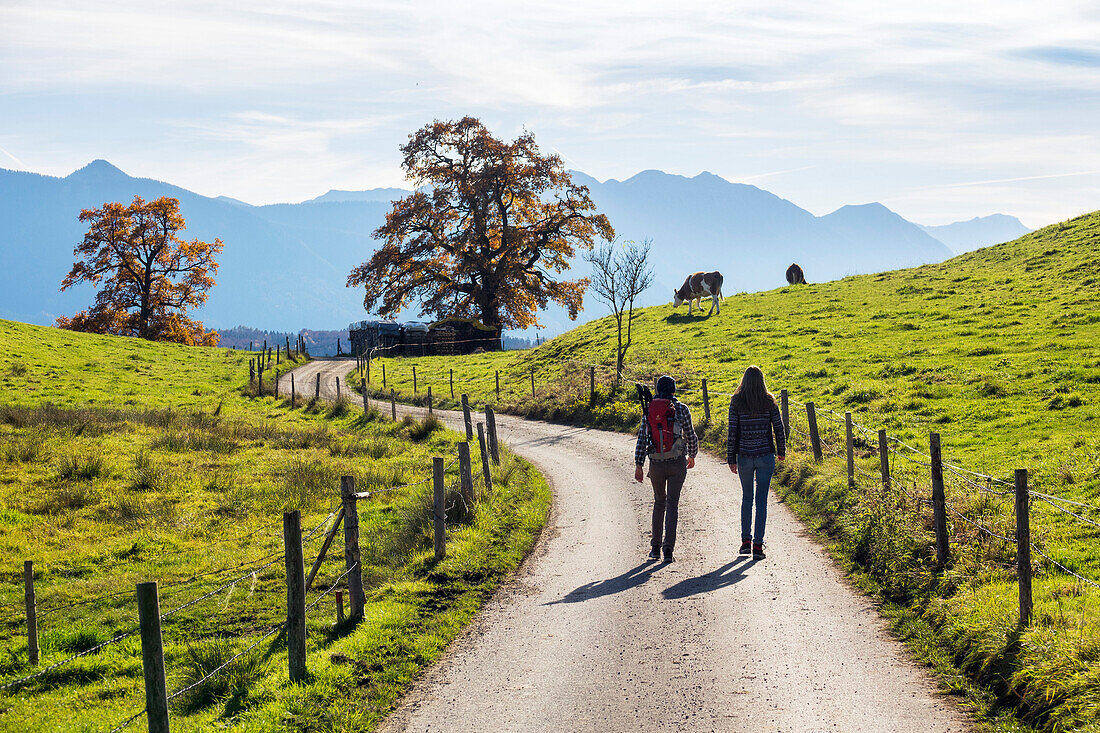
(487, 233)
(147, 276)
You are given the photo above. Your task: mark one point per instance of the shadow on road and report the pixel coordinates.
(561, 437)
(726, 575)
(598, 588)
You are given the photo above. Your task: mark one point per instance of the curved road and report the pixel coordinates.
(592, 636)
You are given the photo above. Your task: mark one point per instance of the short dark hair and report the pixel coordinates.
(666, 385)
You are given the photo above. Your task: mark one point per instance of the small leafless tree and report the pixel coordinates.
(620, 273)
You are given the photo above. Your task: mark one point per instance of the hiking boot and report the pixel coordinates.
(654, 554)
(668, 557)
(746, 546)
(758, 551)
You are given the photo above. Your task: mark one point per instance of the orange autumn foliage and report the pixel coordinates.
(486, 233)
(148, 276)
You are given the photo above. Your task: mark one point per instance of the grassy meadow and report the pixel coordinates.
(997, 350)
(123, 461)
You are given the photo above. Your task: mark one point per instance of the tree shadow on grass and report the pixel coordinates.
(598, 588)
(726, 575)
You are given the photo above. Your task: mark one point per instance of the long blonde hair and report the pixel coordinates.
(752, 395)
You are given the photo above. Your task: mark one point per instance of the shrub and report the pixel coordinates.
(231, 684)
(145, 475)
(82, 467)
(26, 448)
(420, 430)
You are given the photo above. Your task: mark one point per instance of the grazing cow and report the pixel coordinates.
(698, 286)
(795, 276)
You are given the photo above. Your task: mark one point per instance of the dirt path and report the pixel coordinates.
(592, 636)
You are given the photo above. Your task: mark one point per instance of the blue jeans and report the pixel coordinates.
(762, 468)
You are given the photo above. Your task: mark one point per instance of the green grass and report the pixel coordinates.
(997, 350)
(168, 470)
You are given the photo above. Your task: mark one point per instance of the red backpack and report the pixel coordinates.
(665, 430)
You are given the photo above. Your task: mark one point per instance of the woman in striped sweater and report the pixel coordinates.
(751, 453)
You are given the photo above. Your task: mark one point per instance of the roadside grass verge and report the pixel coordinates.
(997, 350)
(175, 474)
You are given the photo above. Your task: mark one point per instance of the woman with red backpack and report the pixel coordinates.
(668, 438)
(751, 453)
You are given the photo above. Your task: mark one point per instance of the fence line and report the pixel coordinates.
(260, 564)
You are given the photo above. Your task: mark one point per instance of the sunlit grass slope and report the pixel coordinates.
(123, 461)
(997, 350)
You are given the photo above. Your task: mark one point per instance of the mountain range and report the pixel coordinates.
(284, 265)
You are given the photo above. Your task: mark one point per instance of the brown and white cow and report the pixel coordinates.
(795, 276)
(700, 285)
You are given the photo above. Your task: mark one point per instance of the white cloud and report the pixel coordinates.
(852, 100)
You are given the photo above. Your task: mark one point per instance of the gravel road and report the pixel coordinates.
(591, 635)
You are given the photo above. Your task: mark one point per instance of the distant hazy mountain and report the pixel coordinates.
(981, 231)
(374, 194)
(751, 235)
(284, 265)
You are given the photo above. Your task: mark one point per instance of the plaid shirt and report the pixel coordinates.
(645, 445)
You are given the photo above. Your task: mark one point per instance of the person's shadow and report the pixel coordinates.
(630, 579)
(726, 575)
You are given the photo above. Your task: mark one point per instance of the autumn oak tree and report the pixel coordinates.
(488, 231)
(147, 276)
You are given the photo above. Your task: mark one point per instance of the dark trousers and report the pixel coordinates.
(668, 478)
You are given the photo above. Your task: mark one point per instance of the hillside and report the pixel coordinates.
(284, 265)
(124, 461)
(997, 350)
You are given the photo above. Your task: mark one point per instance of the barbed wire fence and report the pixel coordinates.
(213, 584)
(921, 480)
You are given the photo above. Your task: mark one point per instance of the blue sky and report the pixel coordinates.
(941, 110)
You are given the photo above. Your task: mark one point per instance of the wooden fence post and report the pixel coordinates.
(32, 612)
(293, 392)
(884, 458)
(491, 423)
(706, 403)
(591, 385)
(366, 399)
(356, 600)
(849, 443)
(339, 607)
(466, 474)
(815, 438)
(414, 380)
(484, 457)
(439, 510)
(430, 399)
(337, 387)
(784, 412)
(275, 382)
(324, 548)
(1023, 545)
(295, 595)
(278, 354)
(498, 385)
(393, 404)
(317, 388)
(452, 384)
(466, 418)
(532, 385)
(152, 657)
(939, 501)
(383, 375)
